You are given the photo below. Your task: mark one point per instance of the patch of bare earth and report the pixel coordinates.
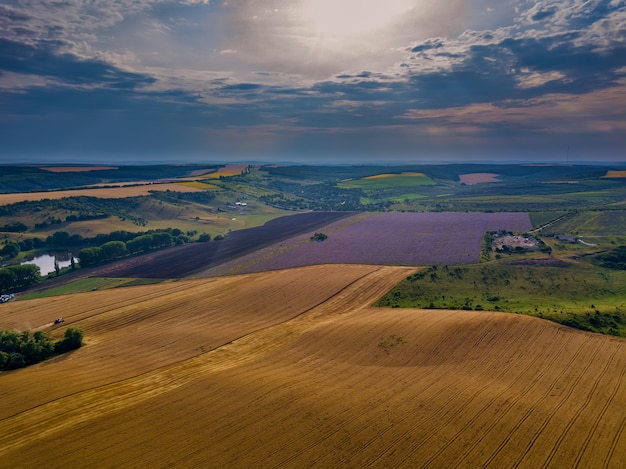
(295, 369)
(478, 178)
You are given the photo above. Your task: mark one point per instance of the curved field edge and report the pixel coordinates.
(325, 388)
(576, 294)
(130, 331)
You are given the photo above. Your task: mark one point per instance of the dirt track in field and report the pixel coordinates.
(295, 369)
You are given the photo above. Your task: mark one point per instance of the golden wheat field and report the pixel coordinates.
(294, 368)
(105, 192)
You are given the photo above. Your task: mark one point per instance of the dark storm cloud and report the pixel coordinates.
(41, 60)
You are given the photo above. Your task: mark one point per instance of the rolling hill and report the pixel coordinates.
(294, 368)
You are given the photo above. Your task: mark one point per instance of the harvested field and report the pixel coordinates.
(295, 369)
(227, 171)
(615, 174)
(198, 185)
(391, 238)
(104, 193)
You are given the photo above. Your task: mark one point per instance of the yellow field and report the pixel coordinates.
(295, 369)
(198, 185)
(385, 176)
(615, 174)
(105, 193)
(227, 171)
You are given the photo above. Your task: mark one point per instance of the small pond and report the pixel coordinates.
(46, 261)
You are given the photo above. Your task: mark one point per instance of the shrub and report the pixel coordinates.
(72, 340)
(319, 237)
(20, 349)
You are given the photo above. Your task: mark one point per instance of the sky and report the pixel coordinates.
(305, 81)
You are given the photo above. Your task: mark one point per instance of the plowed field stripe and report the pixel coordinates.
(580, 410)
(555, 409)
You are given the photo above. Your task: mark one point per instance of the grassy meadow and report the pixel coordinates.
(577, 294)
(388, 181)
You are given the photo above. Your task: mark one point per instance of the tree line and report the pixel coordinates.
(64, 240)
(115, 249)
(104, 247)
(18, 276)
(20, 349)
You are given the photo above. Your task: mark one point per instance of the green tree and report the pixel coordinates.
(89, 256)
(19, 349)
(26, 244)
(26, 274)
(59, 239)
(161, 240)
(141, 243)
(10, 250)
(7, 280)
(113, 250)
(16, 360)
(72, 340)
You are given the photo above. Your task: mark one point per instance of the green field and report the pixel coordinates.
(592, 223)
(578, 294)
(542, 218)
(388, 181)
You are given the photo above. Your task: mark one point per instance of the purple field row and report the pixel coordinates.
(390, 238)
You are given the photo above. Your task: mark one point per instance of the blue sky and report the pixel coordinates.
(329, 81)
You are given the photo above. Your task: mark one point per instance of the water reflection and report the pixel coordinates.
(46, 261)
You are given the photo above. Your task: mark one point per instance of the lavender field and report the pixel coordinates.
(392, 238)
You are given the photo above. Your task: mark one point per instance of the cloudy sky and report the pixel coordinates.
(372, 81)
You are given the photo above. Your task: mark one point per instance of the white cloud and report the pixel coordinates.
(529, 79)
